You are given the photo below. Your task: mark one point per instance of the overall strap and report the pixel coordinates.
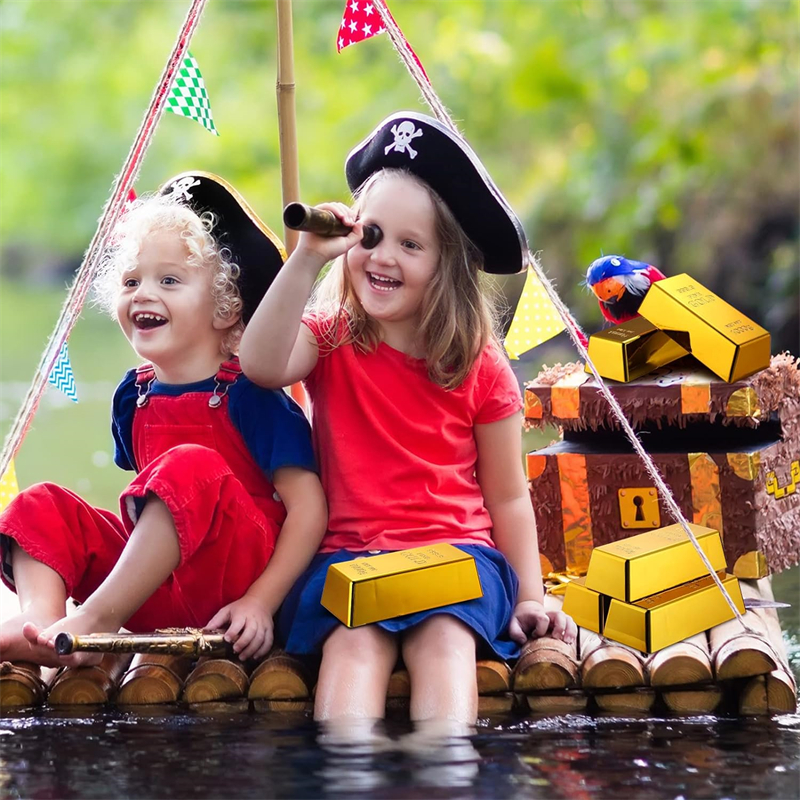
(228, 373)
(145, 375)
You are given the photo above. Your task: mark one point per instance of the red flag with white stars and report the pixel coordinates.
(360, 21)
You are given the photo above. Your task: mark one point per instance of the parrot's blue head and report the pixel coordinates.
(611, 267)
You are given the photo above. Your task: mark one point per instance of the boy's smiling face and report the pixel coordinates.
(168, 313)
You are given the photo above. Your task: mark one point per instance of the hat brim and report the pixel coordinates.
(448, 164)
(254, 248)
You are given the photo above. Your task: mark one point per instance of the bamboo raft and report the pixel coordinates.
(723, 670)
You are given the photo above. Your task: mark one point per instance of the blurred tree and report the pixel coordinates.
(666, 131)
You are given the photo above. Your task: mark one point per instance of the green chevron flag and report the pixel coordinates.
(188, 96)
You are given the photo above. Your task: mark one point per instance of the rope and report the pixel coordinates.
(410, 60)
(70, 311)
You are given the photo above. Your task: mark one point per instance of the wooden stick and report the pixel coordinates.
(287, 120)
(547, 663)
(21, 685)
(682, 663)
(639, 701)
(95, 685)
(495, 703)
(215, 679)
(280, 677)
(569, 702)
(153, 680)
(608, 665)
(494, 677)
(774, 693)
(693, 701)
(743, 655)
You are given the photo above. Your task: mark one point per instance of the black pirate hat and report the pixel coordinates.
(431, 151)
(254, 248)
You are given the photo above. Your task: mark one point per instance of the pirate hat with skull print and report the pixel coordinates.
(254, 248)
(430, 150)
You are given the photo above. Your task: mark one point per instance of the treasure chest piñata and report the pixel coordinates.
(730, 453)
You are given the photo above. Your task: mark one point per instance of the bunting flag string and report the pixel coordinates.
(535, 320)
(62, 377)
(188, 96)
(9, 488)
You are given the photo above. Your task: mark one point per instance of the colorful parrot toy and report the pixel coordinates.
(620, 285)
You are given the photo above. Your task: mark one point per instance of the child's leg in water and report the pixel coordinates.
(440, 657)
(150, 556)
(354, 675)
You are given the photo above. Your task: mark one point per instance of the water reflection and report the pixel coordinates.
(178, 755)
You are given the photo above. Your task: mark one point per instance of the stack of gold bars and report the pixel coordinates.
(680, 316)
(652, 590)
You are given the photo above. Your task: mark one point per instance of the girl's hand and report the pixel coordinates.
(249, 626)
(530, 620)
(327, 248)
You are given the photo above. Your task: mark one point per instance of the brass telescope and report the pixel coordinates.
(300, 217)
(171, 641)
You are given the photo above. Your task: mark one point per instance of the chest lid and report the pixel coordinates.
(680, 394)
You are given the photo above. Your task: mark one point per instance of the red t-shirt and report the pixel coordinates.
(397, 453)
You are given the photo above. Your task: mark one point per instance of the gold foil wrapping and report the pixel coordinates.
(720, 337)
(706, 498)
(652, 562)
(743, 403)
(533, 405)
(744, 465)
(695, 398)
(575, 511)
(535, 465)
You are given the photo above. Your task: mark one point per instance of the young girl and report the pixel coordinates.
(416, 417)
(223, 465)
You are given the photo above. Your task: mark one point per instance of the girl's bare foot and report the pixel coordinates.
(16, 646)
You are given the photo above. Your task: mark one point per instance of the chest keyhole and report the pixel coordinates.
(638, 501)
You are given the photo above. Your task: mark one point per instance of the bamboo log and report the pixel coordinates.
(399, 684)
(94, 685)
(21, 685)
(693, 701)
(494, 677)
(154, 679)
(570, 702)
(608, 665)
(215, 679)
(280, 677)
(636, 702)
(774, 693)
(682, 663)
(739, 654)
(547, 663)
(495, 703)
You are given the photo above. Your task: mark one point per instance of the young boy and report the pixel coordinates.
(223, 465)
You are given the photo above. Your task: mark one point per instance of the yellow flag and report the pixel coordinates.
(8, 486)
(535, 320)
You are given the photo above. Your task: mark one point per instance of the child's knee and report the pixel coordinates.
(369, 644)
(440, 636)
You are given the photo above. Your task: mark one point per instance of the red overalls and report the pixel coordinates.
(191, 456)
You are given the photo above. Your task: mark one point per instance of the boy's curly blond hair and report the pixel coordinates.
(151, 213)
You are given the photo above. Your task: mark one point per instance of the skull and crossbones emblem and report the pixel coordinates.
(181, 188)
(403, 134)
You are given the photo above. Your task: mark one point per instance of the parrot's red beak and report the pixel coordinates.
(609, 289)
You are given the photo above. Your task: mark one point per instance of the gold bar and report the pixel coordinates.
(586, 607)
(632, 349)
(381, 587)
(651, 562)
(655, 622)
(725, 340)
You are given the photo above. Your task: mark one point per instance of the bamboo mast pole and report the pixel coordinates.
(287, 132)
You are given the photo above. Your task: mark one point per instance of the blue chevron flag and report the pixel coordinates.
(61, 377)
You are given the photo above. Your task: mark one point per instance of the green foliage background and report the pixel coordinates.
(663, 130)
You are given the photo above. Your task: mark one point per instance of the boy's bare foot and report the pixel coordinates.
(16, 646)
(80, 622)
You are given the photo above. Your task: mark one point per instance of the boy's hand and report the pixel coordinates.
(530, 620)
(249, 625)
(329, 247)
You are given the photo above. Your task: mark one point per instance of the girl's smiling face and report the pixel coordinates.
(391, 279)
(166, 308)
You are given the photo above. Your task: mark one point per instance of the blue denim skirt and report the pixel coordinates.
(303, 624)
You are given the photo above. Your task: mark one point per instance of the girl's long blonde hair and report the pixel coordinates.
(457, 316)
